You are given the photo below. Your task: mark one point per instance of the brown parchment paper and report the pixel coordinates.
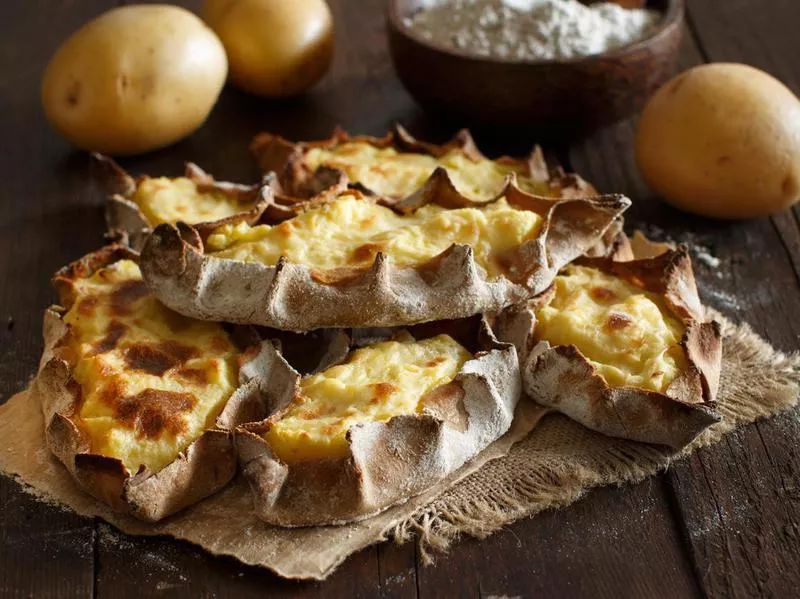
(537, 465)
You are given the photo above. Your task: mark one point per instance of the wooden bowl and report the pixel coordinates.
(563, 98)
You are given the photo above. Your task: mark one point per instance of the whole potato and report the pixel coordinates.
(276, 48)
(134, 79)
(722, 140)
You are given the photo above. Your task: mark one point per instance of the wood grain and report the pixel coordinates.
(741, 502)
(44, 551)
(136, 566)
(738, 518)
(617, 542)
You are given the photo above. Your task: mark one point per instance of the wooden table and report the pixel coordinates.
(724, 523)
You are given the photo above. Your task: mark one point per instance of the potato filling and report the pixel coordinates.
(350, 231)
(628, 334)
(164, 200)
(152, 381)
(398, 174)
(374, 384)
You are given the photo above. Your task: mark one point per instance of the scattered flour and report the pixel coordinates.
(706, 258)
(397, 579)
(532, 29)
(701, 252)
(160, 562)
(720, 299)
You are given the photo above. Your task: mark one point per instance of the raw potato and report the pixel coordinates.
(276, 48)
(722, 140)
(134, 79)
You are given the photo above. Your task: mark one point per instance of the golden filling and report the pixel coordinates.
(375, 384)
(164, 200)
(152, 380)
(398, 174)
(350, 231)
(627, 333)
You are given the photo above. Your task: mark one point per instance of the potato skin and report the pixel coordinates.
(722, 140)
(276, 48)
(134, 79)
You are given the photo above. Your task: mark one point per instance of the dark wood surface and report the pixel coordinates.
(724, 523)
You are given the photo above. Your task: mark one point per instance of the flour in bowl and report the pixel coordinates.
(531, 29)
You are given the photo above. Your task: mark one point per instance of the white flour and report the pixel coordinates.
(531, 29)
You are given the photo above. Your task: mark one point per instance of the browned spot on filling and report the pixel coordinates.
(617, 322)
(125, 294)
(602, 294)
(198, 376)
(298, 400)
(177, 350)
(156, 359)
(384, 170)
(114, 333)
(284, 229)
(328, 429)
(147, 358)
(111, 391)
(352, 150)
(88, 305)
(435, 361)
(153, 412)
(383, 390)
(365, 253)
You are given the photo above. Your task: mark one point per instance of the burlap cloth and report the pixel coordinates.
(553, 462)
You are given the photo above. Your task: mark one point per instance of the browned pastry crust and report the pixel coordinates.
(287, 159)
(206, 466)
(561, 377)
(387, 462)
(451, 285)
(127, 224)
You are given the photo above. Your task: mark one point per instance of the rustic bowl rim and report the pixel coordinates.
(673, 17)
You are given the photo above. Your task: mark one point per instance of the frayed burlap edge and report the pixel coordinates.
(561, 460)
